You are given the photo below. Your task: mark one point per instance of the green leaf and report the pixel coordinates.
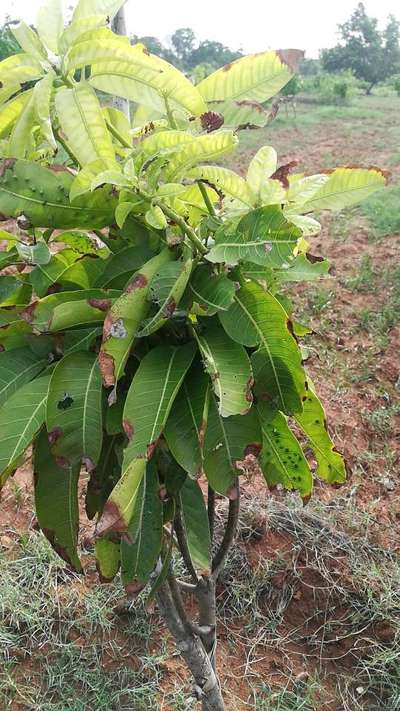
(345, 187)
(187, 421)
(156, 218)
(282, 458)
(107, 559)
(21, 417)
(207, 147)
(81, 339)
(264, 236)
(81, 242)
(73, 417)
(21, 141)
(258, 319)
(124, 319)
(212, 292)
(223, 179)
(42, 277)
(330, 463)
(18, 367)
(38, 253)
(302, 268)
(256, 77)
(82, 121)
(166, 289)
(142, 545)
(261, 167)
(13, 291)
(121, 266)
(49, 206)
(151, 395)
(229, 440)
(195, 525)
(56, 502)
(50, 23)
(84, 272)
(42, 97)
(228, 366)
(120, 505)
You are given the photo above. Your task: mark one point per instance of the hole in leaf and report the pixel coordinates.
(65, 402)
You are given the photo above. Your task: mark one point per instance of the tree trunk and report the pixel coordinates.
(118, 25)
(206, 689)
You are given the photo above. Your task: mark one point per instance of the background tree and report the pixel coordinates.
(371, 54)
(183, 42)
(8, 43)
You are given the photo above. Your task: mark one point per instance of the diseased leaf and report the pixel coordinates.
(229, 440)
(302, 268)
(56, 501)
(166, 289)
(256, 77)
(124, 318)
(228, 366)
(282, 458)
(121, 266)
(73, 416)
(141, 546)
(330, 463)
(56, 311)
(21, 417)
(187, 421)
(195, 524)
(258, 319)
(18, 367)
(119, 507)
(223, 179)
(151, 395)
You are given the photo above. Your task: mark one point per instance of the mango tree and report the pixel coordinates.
(147, 337)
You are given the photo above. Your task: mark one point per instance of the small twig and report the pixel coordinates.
(170, 115)
(186, 229)
(230, 531)
(206, 198)
(183, 546)
(211, 511)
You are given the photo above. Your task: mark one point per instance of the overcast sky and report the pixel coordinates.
(250, 25)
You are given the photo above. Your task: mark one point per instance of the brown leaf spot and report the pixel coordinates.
(249, 393)
(101, 304)
(111, 520)
(202, 433)
(169, 308)
(57, 168)
(138, 282)
(291, 57)
(211, 121)
(62, 462)
(227, 67)
(283, 171)
(7, 165)
(151, 449)
(253, 448)
(28, 313)
(89, 463)
(106, 363)
(54, 435)
(128, 428)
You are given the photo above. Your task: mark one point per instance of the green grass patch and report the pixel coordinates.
(383, 211)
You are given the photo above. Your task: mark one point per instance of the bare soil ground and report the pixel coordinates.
(309, 604)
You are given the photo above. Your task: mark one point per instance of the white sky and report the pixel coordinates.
(250, 25)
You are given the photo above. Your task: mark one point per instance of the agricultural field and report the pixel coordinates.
(309, 603)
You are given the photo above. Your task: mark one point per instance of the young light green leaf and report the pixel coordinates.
(42, 97)
(151, 395)
(258, 319)
(345, 187)
(10, 112)
(330, 464)
(56, 501)
(21, 417)
(38, 253)
(282, 458)
(207, 147)
(50, 23)
(29, 41)
(228, 366)
(141, 546)
(73, 417)
(195, 525)
(156, 218)
(82, 121)
(107, 559)
(166, 289)
(124, 318)
(21, 143)
(261, 167)
(228, 441)
(225, 180)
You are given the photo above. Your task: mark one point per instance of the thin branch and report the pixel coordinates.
(118, 135)
(206, 198)
(230, 531)
(183, 546)
(211, 511)
(186, 229)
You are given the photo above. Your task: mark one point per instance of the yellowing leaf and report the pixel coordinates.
(50, 23)
(345, 187)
